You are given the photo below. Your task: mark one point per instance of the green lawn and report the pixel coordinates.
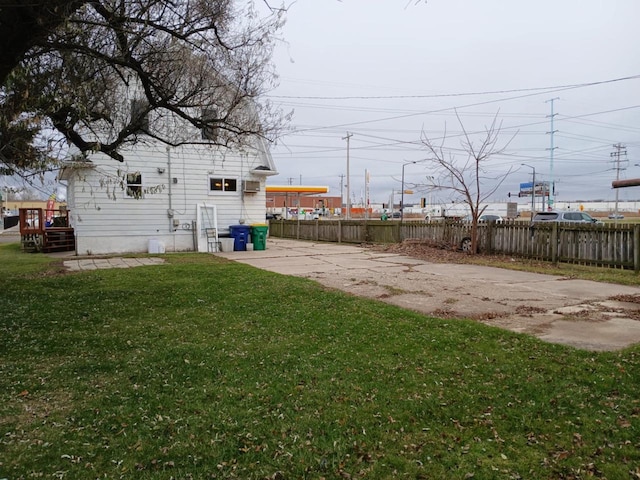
(203, 368)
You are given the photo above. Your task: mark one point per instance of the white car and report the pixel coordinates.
(485, 217)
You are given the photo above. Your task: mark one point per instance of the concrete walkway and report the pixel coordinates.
(584, 314)
(114, 262)
(74, 264)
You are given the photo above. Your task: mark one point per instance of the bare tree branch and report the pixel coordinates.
(464, 178)
(182, 58)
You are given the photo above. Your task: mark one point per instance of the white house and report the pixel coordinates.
(165, 198)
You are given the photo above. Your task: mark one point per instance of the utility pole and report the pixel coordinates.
(533, 190)
(620, 151)
(290, 180)
(348, 216)
(341, 191)
(366, 194)
(402, 191)
(552, 189)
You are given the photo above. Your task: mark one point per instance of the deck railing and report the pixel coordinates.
(37, 234)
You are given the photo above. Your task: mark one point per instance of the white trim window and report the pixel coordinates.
(133, 187)
(220, 184)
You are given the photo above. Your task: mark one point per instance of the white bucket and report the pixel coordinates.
(249, 247)
(155, 246)
(226, 244)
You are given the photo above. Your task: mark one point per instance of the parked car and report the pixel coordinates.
(616, 216)
(484, 218)
(560, 216)
(273, 216)
(465, 243)
(490, 218)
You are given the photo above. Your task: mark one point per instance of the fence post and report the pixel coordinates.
(554, 242)
(490, 232)
(636, 248)
(367, 232)
(340, 231)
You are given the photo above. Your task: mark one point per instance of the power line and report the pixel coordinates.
(464, 94)
(429, 112)
(565, 118)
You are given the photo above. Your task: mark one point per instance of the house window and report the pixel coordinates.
(140, 115)
(217, 184)
(134, 185)
(210, 132)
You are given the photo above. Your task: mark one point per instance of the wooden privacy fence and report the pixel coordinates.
(613, 245)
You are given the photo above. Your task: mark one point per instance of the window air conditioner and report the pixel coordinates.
(251, 186)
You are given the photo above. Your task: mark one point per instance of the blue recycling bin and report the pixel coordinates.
(240, 235)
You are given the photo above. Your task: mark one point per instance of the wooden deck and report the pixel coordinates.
(39, 235)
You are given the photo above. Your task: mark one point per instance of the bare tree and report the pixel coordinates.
(467, 177)
(25, 24)
(107, 72)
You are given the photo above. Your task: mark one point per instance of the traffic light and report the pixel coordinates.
(423, 202)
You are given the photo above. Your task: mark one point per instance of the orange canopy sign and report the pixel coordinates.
(295, 189)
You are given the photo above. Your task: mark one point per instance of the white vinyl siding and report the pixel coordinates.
(173, 183)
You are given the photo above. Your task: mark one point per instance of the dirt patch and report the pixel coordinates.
(442, 253)
(627, 298)
(529, 310)
(525, 314)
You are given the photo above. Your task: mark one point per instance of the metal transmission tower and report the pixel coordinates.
(620, 151)
(552, 187)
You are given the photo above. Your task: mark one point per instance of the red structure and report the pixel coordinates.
(629, 182)
(301, 196)
(279, 200)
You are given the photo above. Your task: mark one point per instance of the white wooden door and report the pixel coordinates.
(207, 216)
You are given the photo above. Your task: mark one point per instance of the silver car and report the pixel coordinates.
(560, 216)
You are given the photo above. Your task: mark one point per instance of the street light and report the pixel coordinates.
(533, 189)
(402, 194)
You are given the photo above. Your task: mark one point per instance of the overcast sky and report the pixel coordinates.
(387, 71)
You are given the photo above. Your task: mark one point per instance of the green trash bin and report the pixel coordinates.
(259, 236)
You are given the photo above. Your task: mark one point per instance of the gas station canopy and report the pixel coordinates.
(299, 189)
